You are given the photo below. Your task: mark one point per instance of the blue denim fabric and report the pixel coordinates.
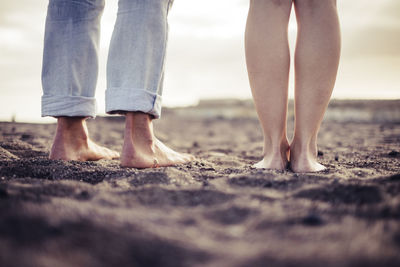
(135, 67)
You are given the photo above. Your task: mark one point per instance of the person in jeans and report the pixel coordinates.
(135, 72)
(316, 64)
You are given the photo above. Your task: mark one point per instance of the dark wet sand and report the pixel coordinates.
(216, 211)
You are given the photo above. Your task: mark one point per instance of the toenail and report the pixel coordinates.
(155, 163)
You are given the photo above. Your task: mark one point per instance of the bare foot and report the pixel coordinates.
(304, 158)
(72, 142)
(275, 160)
(142, 149)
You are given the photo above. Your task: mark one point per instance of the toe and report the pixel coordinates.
(258, 166)
(319, 168)
(188, 157)
(110, 154)
(114, 155)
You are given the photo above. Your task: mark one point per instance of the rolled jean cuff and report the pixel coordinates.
(141, 100)
(70, 106)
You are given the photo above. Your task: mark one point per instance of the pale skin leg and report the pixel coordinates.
(268, 61)
(316, 64)
(141, 148)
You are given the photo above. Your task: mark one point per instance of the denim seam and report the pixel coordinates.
(46, 110)
(69, 60)
(87, 18)
(127, 11)
(165, 49)
(119, 89)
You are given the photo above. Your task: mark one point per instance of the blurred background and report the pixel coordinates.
(205, 54)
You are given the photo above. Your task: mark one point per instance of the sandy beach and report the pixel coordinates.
(215, 211)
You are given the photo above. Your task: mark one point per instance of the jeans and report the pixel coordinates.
(135, 67)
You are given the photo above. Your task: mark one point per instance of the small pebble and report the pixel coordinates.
(3, 193)
(312, 220)
(336, 157)
(26, 136)
(84, 195)
(394, 153)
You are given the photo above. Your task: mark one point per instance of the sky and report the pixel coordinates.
(205, 57)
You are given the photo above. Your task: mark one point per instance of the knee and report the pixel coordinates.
(311, 9)
(75, 10)
(273, 3)
(314, 4)
(154, 5)
(280, 2)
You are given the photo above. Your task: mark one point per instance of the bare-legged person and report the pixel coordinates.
(316, 62)
(72, 142)
(142, 149)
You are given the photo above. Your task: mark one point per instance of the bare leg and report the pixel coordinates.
(72, 142)
(142, 149)
(268, 61)
(316, 63)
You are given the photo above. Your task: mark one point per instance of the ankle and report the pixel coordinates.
(71, 122)
(139, 129)
(72, 130)
(276, 146)
(300, 148)
(138, 119)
